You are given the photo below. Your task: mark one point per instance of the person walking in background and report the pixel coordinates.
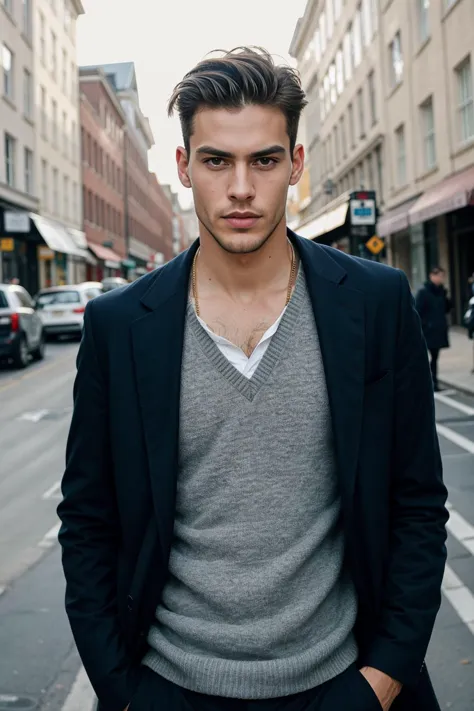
(433, 305)
(253, 513)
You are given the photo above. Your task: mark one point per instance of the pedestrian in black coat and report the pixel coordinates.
(433, 305)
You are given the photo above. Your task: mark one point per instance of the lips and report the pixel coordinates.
(243, 220)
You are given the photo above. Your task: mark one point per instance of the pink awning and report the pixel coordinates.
(451, 194)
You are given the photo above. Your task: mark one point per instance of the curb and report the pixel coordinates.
(466, 390)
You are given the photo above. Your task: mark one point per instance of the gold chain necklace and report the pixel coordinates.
(291, 280)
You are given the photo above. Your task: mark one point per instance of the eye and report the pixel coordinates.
(266, 162)
(215, 162)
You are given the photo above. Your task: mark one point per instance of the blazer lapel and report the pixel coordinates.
(157, 341)
(339, 315)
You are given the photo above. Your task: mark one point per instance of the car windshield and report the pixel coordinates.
(51, 298)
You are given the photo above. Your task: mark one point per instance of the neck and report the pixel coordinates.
(245, 276)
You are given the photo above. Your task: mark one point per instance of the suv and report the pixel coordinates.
(21, 330)
(61, 308)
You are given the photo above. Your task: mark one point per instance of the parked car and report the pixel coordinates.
(61, 308)
(110, 283)
(21, 329)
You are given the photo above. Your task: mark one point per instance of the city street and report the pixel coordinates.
(39, 667)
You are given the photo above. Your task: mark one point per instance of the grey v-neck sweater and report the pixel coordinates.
(258, 603)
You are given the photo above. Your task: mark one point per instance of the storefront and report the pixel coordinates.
(108, 263)
(18, 248)
(348, 223)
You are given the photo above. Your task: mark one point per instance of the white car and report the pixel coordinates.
(61, 308)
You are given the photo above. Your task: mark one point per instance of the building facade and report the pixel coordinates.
(18, 185)
(58, 159)
(391, 109)
(102, 146)
(147, 211)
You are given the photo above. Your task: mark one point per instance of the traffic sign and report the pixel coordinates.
(375, 244)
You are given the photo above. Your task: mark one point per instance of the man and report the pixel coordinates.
(433, 305)
(253, 513)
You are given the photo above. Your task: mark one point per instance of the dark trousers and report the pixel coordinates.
(434, 354)
(347, 692)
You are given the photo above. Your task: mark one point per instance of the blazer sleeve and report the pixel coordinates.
(412, 590)
(89, 534)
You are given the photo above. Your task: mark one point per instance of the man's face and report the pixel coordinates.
(239, 169)
(438, 279)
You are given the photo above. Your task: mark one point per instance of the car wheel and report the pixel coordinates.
(21, 357)
(38, 353)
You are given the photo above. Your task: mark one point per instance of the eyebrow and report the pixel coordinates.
(271, 150)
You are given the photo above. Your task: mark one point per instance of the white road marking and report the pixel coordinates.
(456, 438)
(465, 409)
(82, 696)
(34, 416)
(54, 492)
(460, 597)
(447, 392)
(461, 529)
(49, 540)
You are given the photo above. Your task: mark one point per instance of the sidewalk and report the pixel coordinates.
(457, 362)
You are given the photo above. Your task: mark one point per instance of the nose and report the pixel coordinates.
(241, 186)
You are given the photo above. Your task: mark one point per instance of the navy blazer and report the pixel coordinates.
(122, 460)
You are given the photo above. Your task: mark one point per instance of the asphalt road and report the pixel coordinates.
(39, 666)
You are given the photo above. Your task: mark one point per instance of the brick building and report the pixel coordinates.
(147, 212)
(102, 143)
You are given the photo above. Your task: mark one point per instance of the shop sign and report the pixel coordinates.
(375, 244)
(363, 212)
(16, 221)
(45, 253)
(7, 244)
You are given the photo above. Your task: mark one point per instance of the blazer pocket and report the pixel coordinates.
(386, 376)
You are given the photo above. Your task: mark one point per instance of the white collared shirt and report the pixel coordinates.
(235, 355)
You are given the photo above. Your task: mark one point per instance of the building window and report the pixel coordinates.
(357, 30)
(54, 56)
(360, 106)
(27, 19)
(347, 56)
(8, 69)
(465, 101)
(44, 122)
(336, 145)
(401, 156)
(337, 9)
(65, 138)
(66, 197)
(428, 128)
(379, 164)
(54, 125)
(64, 72)
(317, 46)
(351, 125)
(29, 182)
(339, 72)
(44, 184)
(343, 137)
(27, 94)
(374, 9)
(330, 18)
(322, 32)
(8, 5)
(74, 202)
(67, 16)
(332, 83)
(423, 8)
(367, 24)
(396, 60)
(55, 205)
(10, 149)
(370, 172)
(42, 39)
(372, 98)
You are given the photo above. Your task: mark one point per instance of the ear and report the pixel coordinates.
(183, 166)
(297, 164)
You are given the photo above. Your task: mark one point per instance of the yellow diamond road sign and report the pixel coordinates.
(375, 244)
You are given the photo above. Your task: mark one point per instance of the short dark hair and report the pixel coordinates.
(241, 77)
(437, 270)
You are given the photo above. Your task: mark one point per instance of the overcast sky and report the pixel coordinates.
(165, 38)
